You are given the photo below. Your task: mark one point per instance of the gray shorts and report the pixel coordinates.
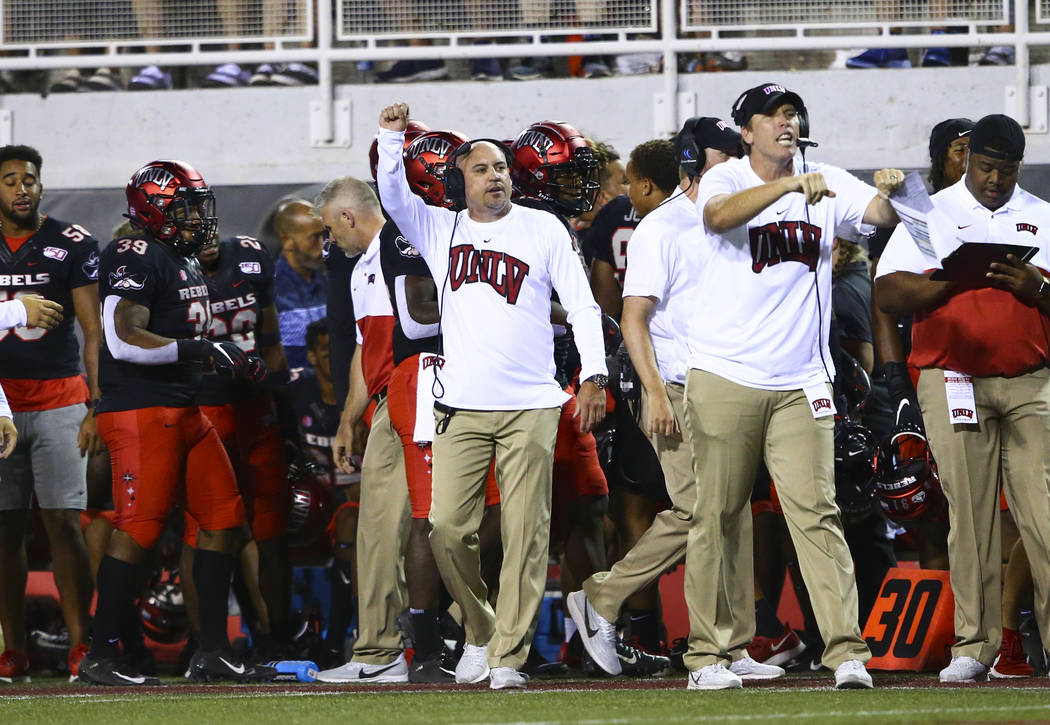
(46, 460)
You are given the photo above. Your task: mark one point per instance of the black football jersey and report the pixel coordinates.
(400, 259)
(609, 233)
(53, 262)
(155, 276)
(238, 291)
(318, 424)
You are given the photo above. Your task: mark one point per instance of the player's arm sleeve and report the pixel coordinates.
(122, 349)
(132, 281)
(413, 217)
(570, 282)
(5, 407)
(413, 330)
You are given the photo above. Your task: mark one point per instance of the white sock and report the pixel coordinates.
(570, 628)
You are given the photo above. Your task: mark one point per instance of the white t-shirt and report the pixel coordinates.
(756, 316)
(494, 284)
(662, 262)
(958, 217)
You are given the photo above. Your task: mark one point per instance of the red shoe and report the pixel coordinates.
(75, 655)
(1011, 662)
(776, 650)
(14, 666)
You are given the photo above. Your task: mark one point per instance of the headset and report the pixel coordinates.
(455, 184)
(687, 152)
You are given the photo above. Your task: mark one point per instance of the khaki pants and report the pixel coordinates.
(381, 534)
(733, 427)
(662, 546)
(522, 442)
(1010, 443)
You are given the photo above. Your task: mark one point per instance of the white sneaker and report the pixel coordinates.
(747, 669)
(597, 633)
(507, 678)
(852, 675)
(473, 666)
(964, 669)
(713, 677)
(359, 672)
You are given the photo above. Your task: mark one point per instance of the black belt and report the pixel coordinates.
(379, 397)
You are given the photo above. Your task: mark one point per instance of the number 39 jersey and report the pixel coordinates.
(239, 291)
(51, 263)
(172, 287)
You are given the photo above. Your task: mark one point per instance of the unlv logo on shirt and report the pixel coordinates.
(1030, 228)
(778, 242)
(499, 270)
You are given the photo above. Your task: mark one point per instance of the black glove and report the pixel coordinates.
(256, 370)
(902, 394)
(225, 357)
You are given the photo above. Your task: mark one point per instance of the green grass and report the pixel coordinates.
(234, 706)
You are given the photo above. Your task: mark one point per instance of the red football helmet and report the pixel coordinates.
(425, 161)
(162, 610)
(906, 476)
(415, 128)
(553, 163)
(165, 197)
(310, 506)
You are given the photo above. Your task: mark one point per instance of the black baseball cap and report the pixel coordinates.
(945, 132)
(714, 133)
(999, 137)
(762, 99)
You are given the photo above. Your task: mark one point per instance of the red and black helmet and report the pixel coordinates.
(553, 163)
(310, 505)
(906, 476)
(163, 610)
(415, 128)
(426, 159)
(165, 197)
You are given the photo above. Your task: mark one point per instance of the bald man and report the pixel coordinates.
(300, 283)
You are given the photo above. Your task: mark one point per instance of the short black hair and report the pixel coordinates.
(656, 160)
(314, 331)
(22, 153)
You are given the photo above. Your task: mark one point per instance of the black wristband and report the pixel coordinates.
(192, 350)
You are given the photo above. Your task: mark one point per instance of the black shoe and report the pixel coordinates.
(536, 665)
(639, 663)
(223, 665)
(139, 660)
(111, 673)
(439, 668)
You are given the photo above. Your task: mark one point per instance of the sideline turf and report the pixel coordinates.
(235, 706)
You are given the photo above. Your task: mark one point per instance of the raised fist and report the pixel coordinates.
(394, 118)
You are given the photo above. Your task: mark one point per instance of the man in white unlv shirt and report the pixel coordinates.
(497, 264)
(982, 346)
(758, 384)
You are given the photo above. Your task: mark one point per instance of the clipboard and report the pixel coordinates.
(970, 261)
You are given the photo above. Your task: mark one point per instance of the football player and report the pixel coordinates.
(52, 404)
(155, 313)
(239, 274)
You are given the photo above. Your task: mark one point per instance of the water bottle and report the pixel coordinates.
(295, 670)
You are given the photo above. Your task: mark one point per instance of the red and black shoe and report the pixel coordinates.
(1011, 662)
(14, 666)
(776, 650)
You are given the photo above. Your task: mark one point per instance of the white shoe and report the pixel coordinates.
(852, 675)
(747, 669)
(359, 672)
(507, 678)
(473, 666)
(713, 677)
(964, 669)
(596, 632)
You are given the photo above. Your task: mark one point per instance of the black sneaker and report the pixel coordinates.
(439, 668)
(635, 662)
(224, 665)
(111, 673)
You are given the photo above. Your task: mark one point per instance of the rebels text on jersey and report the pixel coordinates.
(172, 287)
(609, 233)
(239, 291)
(58, 258)
(399, 259)
(318, 424)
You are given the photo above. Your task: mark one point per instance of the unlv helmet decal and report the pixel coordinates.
(167, 197)
(426, 159)
(553, 163)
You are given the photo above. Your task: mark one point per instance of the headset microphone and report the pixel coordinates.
(806, 143)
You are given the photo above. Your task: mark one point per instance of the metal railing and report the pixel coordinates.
(48, 34)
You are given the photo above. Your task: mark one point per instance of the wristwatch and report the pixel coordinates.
(601, 381)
